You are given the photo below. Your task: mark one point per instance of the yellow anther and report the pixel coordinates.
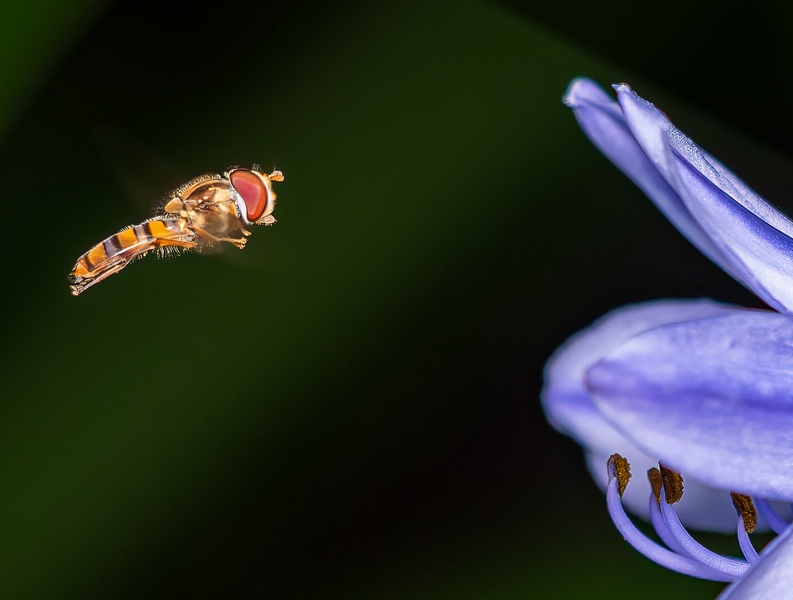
(654, 475)
(622, 471)
(673, 484)
(745, 507)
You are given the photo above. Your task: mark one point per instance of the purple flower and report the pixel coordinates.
(705, 389)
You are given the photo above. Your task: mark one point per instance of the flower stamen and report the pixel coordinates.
(723, 564)
(656, 483)
(743, 504)
(775, 522)
(673, 484)
(668, 527)
(645, 546)
(683, 553)
(622, 471)
(746, 544)
(747, 523)
(657, 520)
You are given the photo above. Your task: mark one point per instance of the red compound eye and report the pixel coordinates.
(253, 192)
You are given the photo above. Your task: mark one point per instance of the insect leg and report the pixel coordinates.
(238, 242)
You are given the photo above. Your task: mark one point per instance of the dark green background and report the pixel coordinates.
(347, 409)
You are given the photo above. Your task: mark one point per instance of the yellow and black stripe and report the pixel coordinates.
(115, 252)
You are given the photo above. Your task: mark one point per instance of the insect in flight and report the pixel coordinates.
(205, 211)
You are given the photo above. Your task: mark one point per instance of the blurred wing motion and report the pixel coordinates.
(201, 213)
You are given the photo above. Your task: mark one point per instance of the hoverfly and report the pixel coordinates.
(205, 211)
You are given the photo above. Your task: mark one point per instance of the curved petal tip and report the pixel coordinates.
(584, 90)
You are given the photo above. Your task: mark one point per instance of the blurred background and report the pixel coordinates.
(349, 408)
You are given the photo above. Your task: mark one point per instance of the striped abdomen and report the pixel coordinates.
(115, 253)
